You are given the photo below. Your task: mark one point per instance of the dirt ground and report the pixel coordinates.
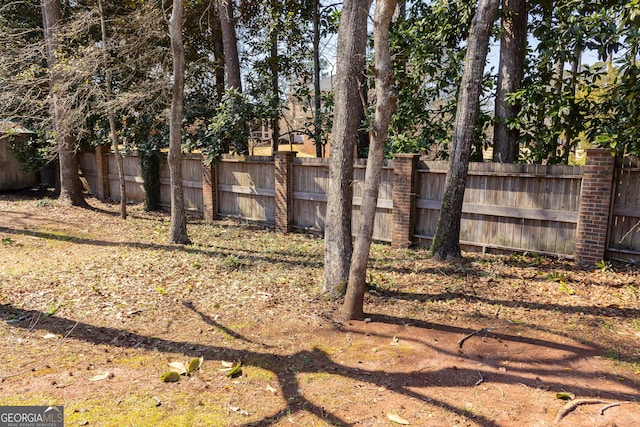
(94, 308)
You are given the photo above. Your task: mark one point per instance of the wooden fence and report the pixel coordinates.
(624, 226)
(507, 206)
(12, 176)
(533, 208)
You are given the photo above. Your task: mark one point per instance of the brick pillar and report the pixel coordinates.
(595, 203)
(284, 190)
(209, 191)
(404, 166)
(102, 171)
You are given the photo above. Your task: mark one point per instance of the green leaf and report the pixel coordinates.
(233, 370)
(195, 364)
(565, 396)
(170, 377)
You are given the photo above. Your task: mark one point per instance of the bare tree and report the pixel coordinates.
(70, 186)
(446, 242)
(352, 39)
(385, 106)
(513, 45)
(115, 141)
(178, 216)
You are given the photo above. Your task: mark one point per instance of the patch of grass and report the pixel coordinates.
(233, 263)
(170, 409)
(44, 202)
(604, 266)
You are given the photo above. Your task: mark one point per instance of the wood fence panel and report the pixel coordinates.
(310, 185)
(384, 212)
(132, 177)
(88, 174)
(246, 189)
(506, 206)
(624, 228)
(192, 182)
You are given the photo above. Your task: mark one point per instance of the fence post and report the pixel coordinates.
(102, 171)
(283, 161)
(209, 191)
(595, 202)
(404, 166)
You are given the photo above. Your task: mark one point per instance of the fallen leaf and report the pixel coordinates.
(178, 367)
(170, 377)
(565, 396)
(100, 377)
(195, 364)
(233, 370)
(397, 419)
(50, 336)
(226, 364)
(271, 389)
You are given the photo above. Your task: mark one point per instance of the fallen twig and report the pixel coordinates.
(481, 380)
(612, 405)
(572, 405)
(466, 337)
(44, 361)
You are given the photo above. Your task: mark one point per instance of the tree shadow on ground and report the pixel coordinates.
(276, 257)
(287, 368)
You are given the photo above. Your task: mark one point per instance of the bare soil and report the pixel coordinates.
(93, 308)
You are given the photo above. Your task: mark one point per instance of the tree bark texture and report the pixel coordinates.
(352, 39)
(513, 44)
(115, 142)
(446, 242)
(70, 185)
(316, 80)
(178, 217)
(353, 307)
(230, 42)
(275, 83)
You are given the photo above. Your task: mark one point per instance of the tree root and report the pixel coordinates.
(572, 405)
(466, 337)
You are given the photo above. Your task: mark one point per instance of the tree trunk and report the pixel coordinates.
(112, 120)
(352, 39)
(178, 217)
(446, 242)
(70, 185)
(385, 106)
(275, 83)
(317, 136)
(513, 44)
(401, 11)
(230, 42)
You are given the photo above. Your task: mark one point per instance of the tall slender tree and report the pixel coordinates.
(385, 106)
(352, 40)
(115, 140)
(178, 217)
(446, 241)
(513, 44)
(70, 186)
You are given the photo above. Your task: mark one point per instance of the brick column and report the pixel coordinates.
(209, 191)
(595, 203)
(404, 166)
(102, 171)
(284, 190)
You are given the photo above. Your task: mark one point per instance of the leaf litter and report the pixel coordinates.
(268, 313)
